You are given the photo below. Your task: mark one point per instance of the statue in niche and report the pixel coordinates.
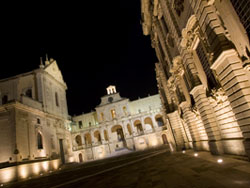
(178, 6)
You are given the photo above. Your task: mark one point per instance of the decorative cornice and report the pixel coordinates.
(193, 91)
(224, 55)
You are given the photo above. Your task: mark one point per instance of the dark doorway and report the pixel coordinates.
(80, 158)
(62, 151)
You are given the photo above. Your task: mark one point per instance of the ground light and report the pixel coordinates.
(196, 154)
(183, 151)
(1, 185)
(220, 160)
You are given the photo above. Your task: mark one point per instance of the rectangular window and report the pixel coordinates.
(80, 124)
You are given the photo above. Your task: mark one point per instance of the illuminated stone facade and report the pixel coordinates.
(118, 126)
(34, 118)
(203, 70)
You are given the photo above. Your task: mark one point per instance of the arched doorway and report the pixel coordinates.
(138, 127)
(148, 124)
(80, 158)
(164, 139)
(119, 132)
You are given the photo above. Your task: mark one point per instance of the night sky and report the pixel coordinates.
(95, 45)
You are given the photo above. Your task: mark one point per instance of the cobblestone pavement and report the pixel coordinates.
(157, 169)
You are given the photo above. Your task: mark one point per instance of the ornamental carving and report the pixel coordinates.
(195, 111)
(178, 6)
(189, 34)
(219, 95)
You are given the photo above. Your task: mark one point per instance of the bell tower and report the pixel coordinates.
(111, 90)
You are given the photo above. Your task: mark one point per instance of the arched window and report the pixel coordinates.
(57, 101)
(78, 140)
(4, 99)
(39, 141)
(125, 110)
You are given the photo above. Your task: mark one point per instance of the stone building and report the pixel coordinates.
(117, 126)
(34, 119)
(203, 71)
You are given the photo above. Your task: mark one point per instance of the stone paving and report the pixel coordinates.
(165, 170)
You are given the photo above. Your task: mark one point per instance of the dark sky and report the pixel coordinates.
(95, 45)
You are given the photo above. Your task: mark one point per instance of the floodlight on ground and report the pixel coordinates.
(41, 174)
(220, 160)
(196, 154)
(183, 151)
(1, 185)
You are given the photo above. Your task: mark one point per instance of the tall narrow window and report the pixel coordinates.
(102, 116)
(113, 113)
(39, 141)
(80, 124)
(57, 101)
(4, 99)
(125, 110)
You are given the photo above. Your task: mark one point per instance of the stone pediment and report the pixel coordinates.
(54, 71)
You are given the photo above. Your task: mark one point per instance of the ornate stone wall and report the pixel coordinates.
(206, 76)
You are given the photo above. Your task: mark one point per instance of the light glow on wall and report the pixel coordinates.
(36, 168)
(55, 164)
(7, 174)
(45, 165)
(23, 171)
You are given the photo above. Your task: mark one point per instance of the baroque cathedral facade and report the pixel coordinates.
(37, 134)
(203, 72)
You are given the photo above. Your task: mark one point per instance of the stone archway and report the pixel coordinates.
(148, 124)
(118, 129)
(138, 126)
(78, 140)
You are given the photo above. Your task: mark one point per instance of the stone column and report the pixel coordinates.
(191, 122)
(102, 136)
(232, 76)
(177, 129)
(155, 124)
(134, 131)
(208, 118)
